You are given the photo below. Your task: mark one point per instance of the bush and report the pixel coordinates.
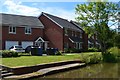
(91, 58)
(72, 50)
(112, 55)
(114, 51)
(7, 53)
(58, 53)
(67, 50)
(93, 50)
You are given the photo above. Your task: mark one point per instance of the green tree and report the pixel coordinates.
(94, 18)
(117, 40)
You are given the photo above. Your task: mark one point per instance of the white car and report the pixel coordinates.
(17, 48)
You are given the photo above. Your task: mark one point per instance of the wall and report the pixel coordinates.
(53, 33)
(20, 35)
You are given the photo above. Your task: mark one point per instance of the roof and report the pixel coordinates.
(75, 39)
(19, 20)
(63, 23)
(77, 24)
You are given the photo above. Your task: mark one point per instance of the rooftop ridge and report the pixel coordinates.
(55, 16)
(17, 15)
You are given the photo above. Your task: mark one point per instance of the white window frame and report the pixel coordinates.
(29, 29)
(80, 45)
(12, 30)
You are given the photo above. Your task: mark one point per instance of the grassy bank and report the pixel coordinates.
(33, 60)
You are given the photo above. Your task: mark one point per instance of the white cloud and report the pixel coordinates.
(18, 8)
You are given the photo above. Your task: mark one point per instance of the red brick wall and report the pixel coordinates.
(53, 33)
(20, 35)
(70, 44)
(85, 41)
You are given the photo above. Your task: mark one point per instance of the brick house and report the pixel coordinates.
(21, 30)
(88, 42)
(61, 33)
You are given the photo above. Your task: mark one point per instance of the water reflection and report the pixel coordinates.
(104, 70)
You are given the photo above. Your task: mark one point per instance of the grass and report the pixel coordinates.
(34, 60)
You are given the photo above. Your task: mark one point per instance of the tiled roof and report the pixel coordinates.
(77, 24)
(19, 20)
(62, 22)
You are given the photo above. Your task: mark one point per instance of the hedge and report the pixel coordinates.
(8, 53)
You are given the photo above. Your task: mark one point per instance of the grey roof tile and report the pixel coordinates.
(63, 22)
(19, 20)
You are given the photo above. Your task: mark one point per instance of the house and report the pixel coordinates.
(61, 33)
(21, 30)
(85, 36)
(88, 42)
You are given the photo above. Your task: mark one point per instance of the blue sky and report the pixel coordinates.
(62, 8)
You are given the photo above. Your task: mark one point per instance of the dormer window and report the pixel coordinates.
(28, 30)
(12, 30)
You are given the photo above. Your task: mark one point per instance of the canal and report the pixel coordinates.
(102, 70)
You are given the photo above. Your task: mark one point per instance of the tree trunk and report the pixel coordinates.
(103, 48)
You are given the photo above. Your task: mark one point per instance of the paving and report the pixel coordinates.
(5, 73)
(41, 72)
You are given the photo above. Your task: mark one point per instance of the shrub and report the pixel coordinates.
(114, 51)
(7, 53)
(112, 55)
(67, 50)
(58, 53)
(72, 50)
(91, 58)
(93, 50)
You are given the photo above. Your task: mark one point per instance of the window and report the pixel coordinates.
(66, 45)
(80, 35)
(12, 29)
(78, 45)
(66, 32)
(28, 30)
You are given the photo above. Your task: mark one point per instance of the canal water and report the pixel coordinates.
(103, 70)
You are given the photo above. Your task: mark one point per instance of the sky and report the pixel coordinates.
(61, 8)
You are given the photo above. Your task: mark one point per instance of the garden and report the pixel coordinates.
(14, 59)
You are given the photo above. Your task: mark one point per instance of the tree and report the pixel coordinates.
(94, 17)
(117, 40)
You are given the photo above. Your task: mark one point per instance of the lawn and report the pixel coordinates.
(33, 60)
